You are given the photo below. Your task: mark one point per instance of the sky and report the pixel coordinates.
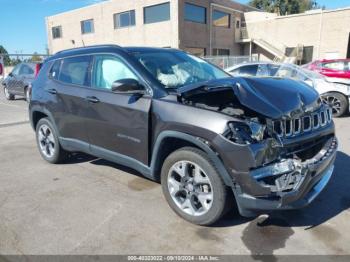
(22, 22)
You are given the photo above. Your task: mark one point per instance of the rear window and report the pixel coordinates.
(75, 70)
(26, 70)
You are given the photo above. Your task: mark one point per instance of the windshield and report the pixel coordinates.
(177, 69)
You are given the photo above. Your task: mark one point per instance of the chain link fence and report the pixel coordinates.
(228, 61)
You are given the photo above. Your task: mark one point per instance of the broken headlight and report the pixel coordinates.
(247, 132)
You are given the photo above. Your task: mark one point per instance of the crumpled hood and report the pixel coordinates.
(271, 97)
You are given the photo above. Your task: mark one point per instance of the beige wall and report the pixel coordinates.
(207, 36)
(327, 31)
(162, 34)
(175, 33)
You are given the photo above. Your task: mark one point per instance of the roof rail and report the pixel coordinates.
(87, 47)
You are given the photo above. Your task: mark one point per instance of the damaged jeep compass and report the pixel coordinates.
(210, 139)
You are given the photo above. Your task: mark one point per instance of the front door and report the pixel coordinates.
(117, 122)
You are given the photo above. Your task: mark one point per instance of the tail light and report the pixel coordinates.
(1, 69)
(37, 69)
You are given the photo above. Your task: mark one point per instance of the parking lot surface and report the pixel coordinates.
(92, 206)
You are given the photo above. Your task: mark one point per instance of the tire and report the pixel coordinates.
(8, 96)
(207, 184)
(48, 143)
(337, 101)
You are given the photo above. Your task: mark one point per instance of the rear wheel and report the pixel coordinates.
(8, 95)
(192, 186)
(48, 144)
(337, 102)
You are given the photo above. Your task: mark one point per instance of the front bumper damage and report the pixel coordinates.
(291, 183)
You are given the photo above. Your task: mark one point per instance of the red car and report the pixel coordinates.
(339, 68)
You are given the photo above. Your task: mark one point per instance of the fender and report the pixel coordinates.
(199, 142)
(38, 108)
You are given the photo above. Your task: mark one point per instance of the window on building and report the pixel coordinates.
(156, 13)
(221, 52)
(238, 24)
(108, 69)
(195, 13)
(221, 19)
(307, 54)
(75, 70)
(56, 32)
(87, 26)
(124, 19)
(197, 51)
(348, 54)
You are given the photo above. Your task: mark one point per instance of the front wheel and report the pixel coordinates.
(8, 95)
(48, 144)
(193, 187)
(338, 102)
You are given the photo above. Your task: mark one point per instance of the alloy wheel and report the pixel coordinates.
(333, 102)
(46, 141)
(190, 188)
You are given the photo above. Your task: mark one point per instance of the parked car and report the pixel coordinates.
(210, 139)
(337, 68)
(18, 82)
(336, 95)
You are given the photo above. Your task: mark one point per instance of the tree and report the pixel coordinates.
(7, 60)
(285, 7)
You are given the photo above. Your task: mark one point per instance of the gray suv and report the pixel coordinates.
(210, 139)
(18, 82)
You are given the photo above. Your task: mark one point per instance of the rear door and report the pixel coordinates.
(117, 122)
(12, 79)
(66, 94)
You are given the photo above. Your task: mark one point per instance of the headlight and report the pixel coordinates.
(248, 132)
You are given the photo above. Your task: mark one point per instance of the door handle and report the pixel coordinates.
(92, 99)
(52, 91)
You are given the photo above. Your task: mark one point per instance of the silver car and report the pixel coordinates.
(336, 95)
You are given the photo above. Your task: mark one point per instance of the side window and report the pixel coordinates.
(26, 70)
(107, 70)
(75, 70)
(334, 65)
(55, 70)
(262, 70)
(250, 70)
(235, 72)
(273, 69)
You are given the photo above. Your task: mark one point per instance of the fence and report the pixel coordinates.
(228, 61)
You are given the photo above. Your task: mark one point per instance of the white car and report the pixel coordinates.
(336, 95)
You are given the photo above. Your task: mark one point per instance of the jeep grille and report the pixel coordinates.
(308, 122)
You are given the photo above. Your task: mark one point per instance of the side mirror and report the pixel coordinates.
(128, 85)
